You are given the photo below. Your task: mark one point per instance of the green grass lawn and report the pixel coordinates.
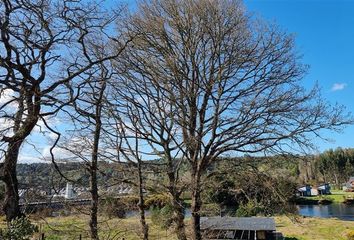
(336, 196)
(314, 228)
(70, 228)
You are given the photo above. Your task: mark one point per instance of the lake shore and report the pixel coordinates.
(336, 197)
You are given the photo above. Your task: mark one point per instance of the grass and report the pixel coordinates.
(314, 228)
(67, 228)
(300, 228)
(335, 197)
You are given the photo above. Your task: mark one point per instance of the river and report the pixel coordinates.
(340, 211)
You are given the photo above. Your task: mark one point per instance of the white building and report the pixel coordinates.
(69, 191)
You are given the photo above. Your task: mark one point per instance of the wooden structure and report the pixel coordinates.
(243, 228)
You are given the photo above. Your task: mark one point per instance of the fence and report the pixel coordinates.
(42, 237)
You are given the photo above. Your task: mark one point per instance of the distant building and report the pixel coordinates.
(349, 186)
(246, 228)
(307, 191)
(69, 191)
(324, 189)
(304, 191)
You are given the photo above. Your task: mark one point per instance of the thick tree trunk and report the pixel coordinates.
(196, 206)
(11, 203)
(141, 205)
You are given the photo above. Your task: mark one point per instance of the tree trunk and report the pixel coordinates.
(11, 203)
(93, 176)
(94, 202)
(141, 205)
(179, 218)
(196, 206)
(336, 181)
(177, 206)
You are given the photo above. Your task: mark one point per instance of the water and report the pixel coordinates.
(340, 211)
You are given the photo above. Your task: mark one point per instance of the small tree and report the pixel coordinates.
(20, 229)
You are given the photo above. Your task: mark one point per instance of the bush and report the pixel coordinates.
(162, 217)
(113, 207)
(251, 208)
(209, 210)
(20, 229)
(157, 200)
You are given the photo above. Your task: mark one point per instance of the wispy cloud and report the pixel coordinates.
(338, 86)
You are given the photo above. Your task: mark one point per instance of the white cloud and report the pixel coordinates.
(5, 125)
(338, 86)
(59, 153)
(7, 95)
(29, 159)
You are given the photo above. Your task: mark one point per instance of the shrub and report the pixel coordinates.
(113, 207)
(20, 229)
(251, 208)
(210, 209)
(162, 217)
(157, 200)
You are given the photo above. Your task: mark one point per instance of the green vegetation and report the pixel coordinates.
(335, 197)
(252, 187)
(162, 217)
(335, 166)
(297, 228)
(314, 228)
(67, 228)
(19, 229)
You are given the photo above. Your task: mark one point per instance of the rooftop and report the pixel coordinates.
(235, 223)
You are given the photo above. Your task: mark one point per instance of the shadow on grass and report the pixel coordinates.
(290, 238)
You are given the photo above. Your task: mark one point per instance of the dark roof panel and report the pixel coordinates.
(234, 223)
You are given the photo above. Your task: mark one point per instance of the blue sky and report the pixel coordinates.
(324, 33)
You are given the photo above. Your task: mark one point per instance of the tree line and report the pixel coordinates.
(183, 81)
(334, 166)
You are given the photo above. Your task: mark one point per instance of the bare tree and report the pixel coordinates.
(44, 46)
(232, 82)
(89, 103)
(127, 144)
(144, 115)
(84, 140)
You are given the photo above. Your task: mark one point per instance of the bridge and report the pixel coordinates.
(54, 205)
